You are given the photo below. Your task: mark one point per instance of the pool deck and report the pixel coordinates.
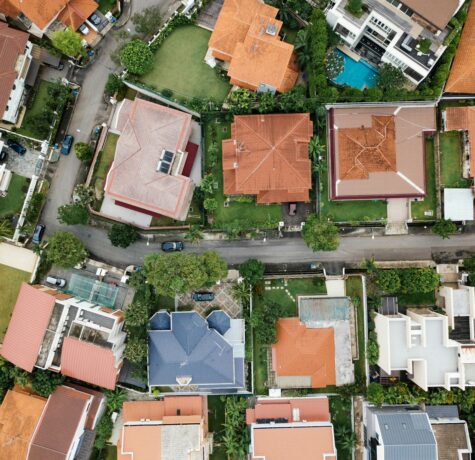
(349, 52)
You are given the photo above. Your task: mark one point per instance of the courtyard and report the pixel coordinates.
(179, 66)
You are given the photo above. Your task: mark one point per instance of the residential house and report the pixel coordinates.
(15, 56)
(462, 73)
(60, 426)
(267, 156)
(378, 151)
(408, 34)
(152, 164)
(246, 39)
(43, 18)
(316, 349)
(463, 119)
(189, 353)
(55, 331)
(419, 343)
(459, 305)
(285, 428)
(429, 433)
(175, 427)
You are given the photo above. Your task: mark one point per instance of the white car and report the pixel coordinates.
(83, 29)
(55, 281)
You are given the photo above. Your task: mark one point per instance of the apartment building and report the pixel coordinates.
(409, 34)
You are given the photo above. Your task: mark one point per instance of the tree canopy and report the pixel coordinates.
(136, 57)
(45, 382)
(122, 235)
(252, 271)
(73, 214)
(65, 249)
(148, 20)
(407, 280)
(83, 151)
(68, 42)
(320, 235)
(390, 78)
(444, 228)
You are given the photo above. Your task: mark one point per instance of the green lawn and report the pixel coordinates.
(11, 282)
(451, 160)
(13, 202)
(354, 289)
(419, 208)
(349, 211)
(107, 5)
(103, 163)
(247, 214)
(34, 108)
(340, 409)
(180, 66)
(418, 300)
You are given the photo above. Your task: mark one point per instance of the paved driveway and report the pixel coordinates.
(209, 15)
(23, 165)
(167, 7)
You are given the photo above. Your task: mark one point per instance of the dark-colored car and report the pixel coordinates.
(38, 234)
(172, 246)
(16, 147)
(95, 19)
(3, 156)
(67, 144)
(202, 296)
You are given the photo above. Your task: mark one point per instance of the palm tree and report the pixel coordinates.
(115, 399)
(317, 152)
(194, 234)
(6, 229)
(345, 438)
(241, 292)
(302, 48)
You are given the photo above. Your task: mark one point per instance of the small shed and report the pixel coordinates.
(458, 204)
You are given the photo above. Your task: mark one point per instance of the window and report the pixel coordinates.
(413, 74)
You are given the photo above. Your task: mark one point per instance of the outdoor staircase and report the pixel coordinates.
(461, 330)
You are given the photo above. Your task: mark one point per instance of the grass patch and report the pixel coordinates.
(35, 107)
(107, 5)
(13, 202)
(451, 160)
(419, 299)
(11, 282)
(103, 163)
(248, 214)
(354, 289)
(349, 211)
(340, 409)
(179, 66)
(419, 208)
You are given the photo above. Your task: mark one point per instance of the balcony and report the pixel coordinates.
(408, 46)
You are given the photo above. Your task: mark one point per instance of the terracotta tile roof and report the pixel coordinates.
(59, 424)
(98, 399)
(12, 45)
(19, 416)
(462, 74)
(241, 36)
(88, 362)
(146, 130)
(40, 12)
(76, 12)
(463, 119)
(379, 151)
(140, 442)
(302, 351)
(27, 327)
(310, 409)
(438, 12)
(267, 156)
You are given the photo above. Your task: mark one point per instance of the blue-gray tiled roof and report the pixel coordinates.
(160, 321)
(220, 321)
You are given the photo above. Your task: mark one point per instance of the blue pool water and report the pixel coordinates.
(357, 74)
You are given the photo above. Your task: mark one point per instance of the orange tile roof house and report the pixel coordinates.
(151, 154)
(246, 36)
(283, 429)
(462, 119)
(15, 56)
(267, 156)
(173, 428)
(378, 151)
(462, 74)
(58, 428)
(51, 330)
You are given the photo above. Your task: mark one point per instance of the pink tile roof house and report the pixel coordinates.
(52, 330)
(147, 172)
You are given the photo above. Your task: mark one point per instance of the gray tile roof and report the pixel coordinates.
(160, 321)
(192, 349)
(449, 411)
(220, 321)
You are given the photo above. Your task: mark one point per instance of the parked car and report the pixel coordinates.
(83, 29)
(202, 296)
(55, 281)
(171, 246)
(38, 233)
(67, 144)
(16, 147)
(3, 156)
(95, 19)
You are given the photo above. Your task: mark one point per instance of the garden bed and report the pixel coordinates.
(451, 160)
(179, 66)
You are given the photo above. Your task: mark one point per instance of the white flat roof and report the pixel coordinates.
(458, 204)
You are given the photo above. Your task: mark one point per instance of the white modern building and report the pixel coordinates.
(409, 34)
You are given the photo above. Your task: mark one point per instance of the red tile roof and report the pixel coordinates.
(39, 12)
(267, 156)
(89, 363)
(27, 327)
(76, 12)
(12, 45)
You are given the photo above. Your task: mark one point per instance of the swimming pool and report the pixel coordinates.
(357, 74)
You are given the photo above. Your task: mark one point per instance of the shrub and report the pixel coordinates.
(136, 57)
(114, 83)
(84, 151)
(373, 352)
(320, 235)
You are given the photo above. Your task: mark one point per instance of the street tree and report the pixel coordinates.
(114, 83)
(73, 214)
(65, 249)
(252, 271)
(320, 235)
(147, 21)
(68, 42)
(123, 235)
(215, 266)
(194, 234)
(83, 151)
(444, 228)
(136, 57)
